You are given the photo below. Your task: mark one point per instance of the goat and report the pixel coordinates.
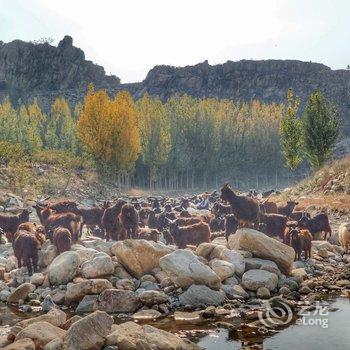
(274, 224)
(217, 224)
(64, 206)
(148, 234)
(301, 241)
(62, 239)
(143, 216)
(297, 215)
(344, 236)
(286, 209)
(192, 234)
(168, 238)
(319, 223)
(245, 209)
(221, 209)
(129, 218)
(10, 223)
(111, 222)
(289, 227)
(25, 247)
(231, 225)
(268, 207)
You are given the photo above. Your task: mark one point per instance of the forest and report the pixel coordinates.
(183, 142)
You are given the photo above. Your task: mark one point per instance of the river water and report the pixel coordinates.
(334, 335)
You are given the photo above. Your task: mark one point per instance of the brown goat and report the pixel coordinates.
(25, 247)
(286, 209)
(111, 221)
(297, 215)
(64, 206)
(300, 241)
(220, 209)
(274, 224)
(319, 223)
(129, 218)
(268, 207)
(245, 209)
(231, 225)
(148, 234)
(143, 216)
(10, 223)
(193, 234)
(62, 239)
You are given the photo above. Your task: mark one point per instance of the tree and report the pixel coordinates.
(291, 133)
(321, 129)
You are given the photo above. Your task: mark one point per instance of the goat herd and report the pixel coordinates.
(174, 221)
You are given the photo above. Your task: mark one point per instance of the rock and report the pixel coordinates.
(55, 344)
(234, 291)
(48, 304)
(37, 279)
(41, 333)
(55, 317)
(139, 256)
(100, 265)
(205, 249)
(88, 304)
(184, 269)
(233, 257)
(257, 263)
(152, 297)
(231, 281)
(72, 320)
(284, 290)
(47, 254)
(222, 268)
(254, 279)
(63, 268)
(263, 293)
(21, 293)
(322, 252)
(85, 254)
(117, 300)
(300, 273)
(197, 295)
(187, 317)
(22, 344)
(264, 247)
(76, 292)
(146, 315)
(148, 278)
(125, 284)
(89, 332)
(305, 290)
(131, 336)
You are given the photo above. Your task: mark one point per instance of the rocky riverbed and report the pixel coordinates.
(130, 294)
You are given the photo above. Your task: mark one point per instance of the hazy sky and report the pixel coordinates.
(129, 37)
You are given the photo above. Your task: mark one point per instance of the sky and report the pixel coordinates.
(129, 37)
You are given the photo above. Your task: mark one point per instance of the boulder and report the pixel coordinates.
(184, 269)
(198, 295)
(88, 304)
(231, 256)
(205, 249)
(55, 344)
(21, 293)
(264, 247)
(152, 297)
(131, 336)
(118, 300)
(234, 291)
(37, 279)
(41, 333)
(85, 254)
(63, 268)
(100, 265)
(139, 256)
(254, 279)
(89, 332)
(76, 292)
(47, 254)
(222, 268)
(22, 344)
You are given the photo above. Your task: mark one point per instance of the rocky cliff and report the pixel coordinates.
(46, 71)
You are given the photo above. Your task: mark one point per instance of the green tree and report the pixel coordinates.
(291, 133)
(320, 129)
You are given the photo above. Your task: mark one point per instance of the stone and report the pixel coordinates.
(138, 256)
(76, 292)
(231, 280)
(263, 293)
(205, 249)
(234, 291)
(100, 265)
(89, 332)
(222, 268)
(264, 247)
(184, 269)
(197, 295)
(48, 304)
(87, 304)
(85, 254)
(254, 279)
(305, 290)
(41, 333)
(187, 317)
(231, 256)
(63, 268)
(284, 290)
(126, 284)
(118, 301)
(21, 293)
(152, 297)
(47, 254)
(131, 336)
(37, 279)
(323, 253)
(55, 344)
(22, 344)
(146, 315)
(300, 273)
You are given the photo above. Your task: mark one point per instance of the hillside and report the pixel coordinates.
(28, 70)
